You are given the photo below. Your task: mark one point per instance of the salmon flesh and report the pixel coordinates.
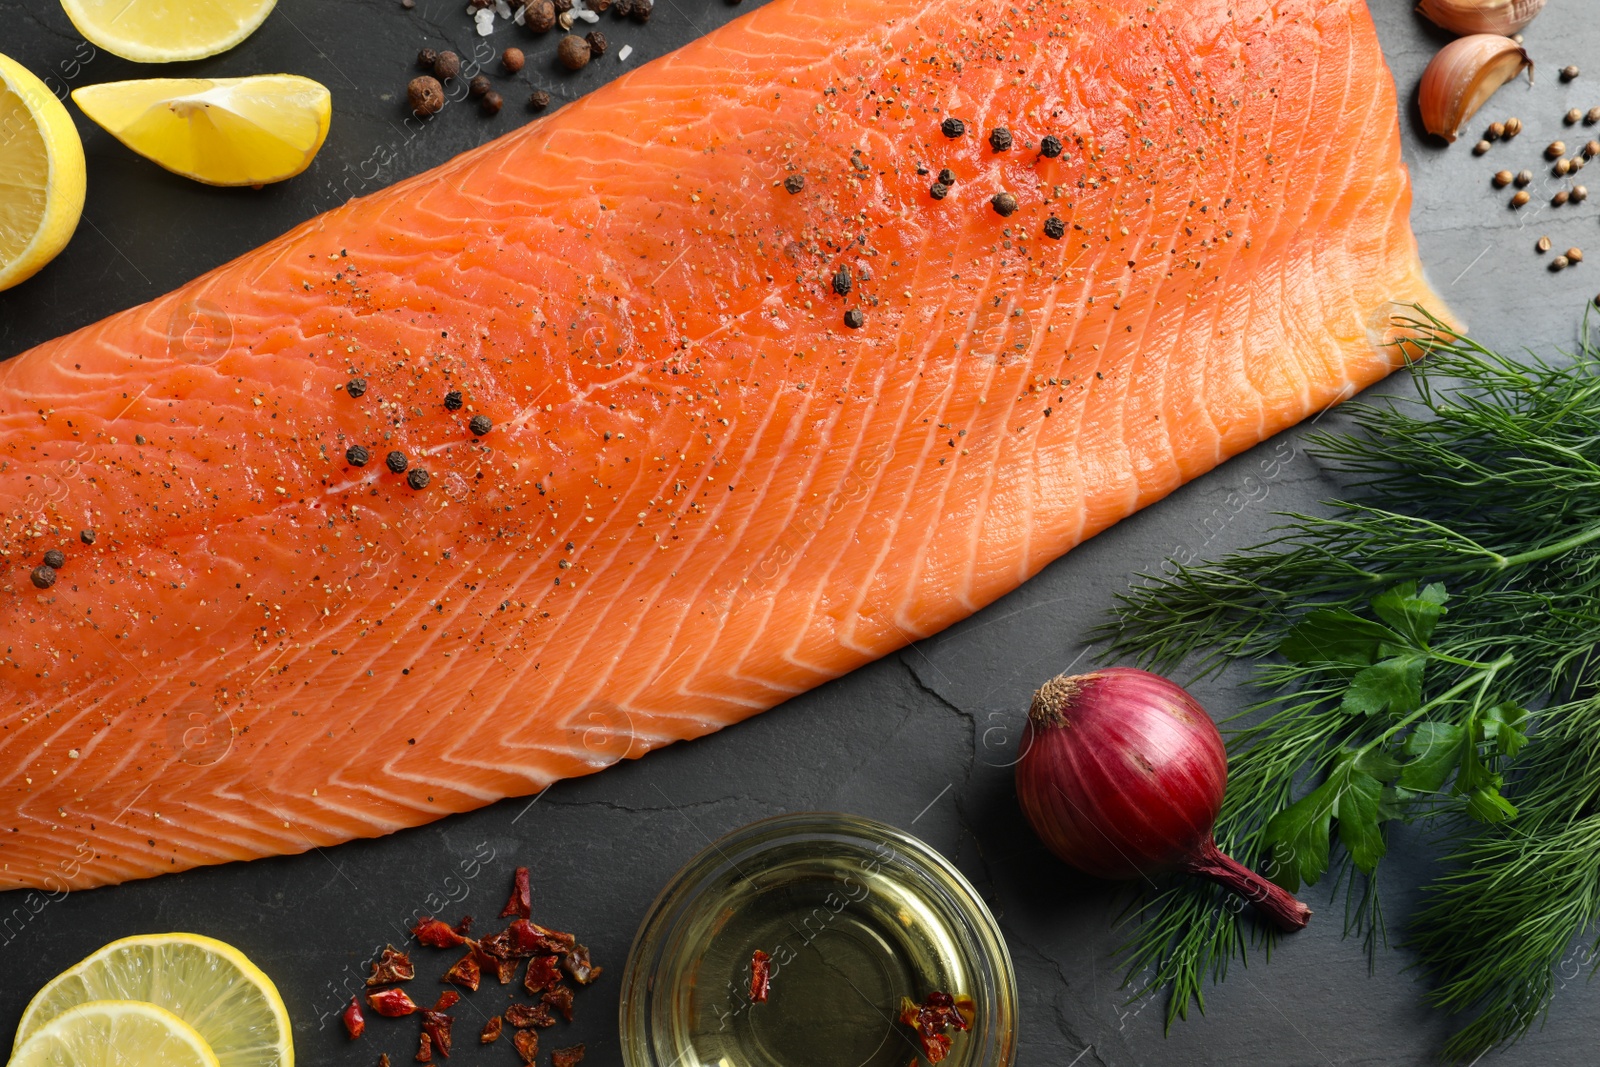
(679, 486)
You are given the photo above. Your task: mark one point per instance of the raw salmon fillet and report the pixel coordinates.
(699, 491)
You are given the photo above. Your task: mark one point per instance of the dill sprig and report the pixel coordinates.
(1399, 641)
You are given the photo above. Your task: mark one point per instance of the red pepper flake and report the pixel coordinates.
(383, 1059)
(559, 998)
(447, 1000)
(760, 976)
(464, 927)
(527, 1042)
(355, 1024)
(491, 1031)
(436, 1026)
(930, 1019)
(567, 1057)
(577, 964)
(523, 1016)
(466, 973)
(497, 954)
(436, 934)
(424, 1048)
(391, 1003)
(531, 939)
(391, 967)
(521, 902)
(543, 973)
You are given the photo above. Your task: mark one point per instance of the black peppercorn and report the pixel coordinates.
(639, 10)
(563, 6)
(356, 387)
(1000, 139)
(539, 100)
(44, 576)
(479, 86)
(938, 190)
(952, 127)
(396, 462)
(841, 281)
(597, 42)
(794, 183)
(427, 58)
(540, 16)
(573, 52)
(1050, 146)
(513, 60)
(55, 559)
(138, 439)
(453, 400)
(418, 479)
(854, 319)
(425, 95)
(356, 456)
(447, 66)
(480, 425)
(599, 7)
(623, 8)
(86, 536)
(492, 102)
(1004, 204)
(1054, 228)
(947, 176)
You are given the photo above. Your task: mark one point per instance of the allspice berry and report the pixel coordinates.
(539, 100)
(513, 60)
(597, 42)
(492, 102)
(447, 66)
(540, 16)
(573, 52)
(427, 58)
(425, 95)
(479, 86)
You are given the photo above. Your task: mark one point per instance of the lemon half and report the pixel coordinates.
(210, 985)
(220, 131)
(166, 31)
(42, 180)
(115, 1033)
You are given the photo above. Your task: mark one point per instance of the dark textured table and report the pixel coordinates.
(920, 739)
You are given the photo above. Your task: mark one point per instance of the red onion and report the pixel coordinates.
(1122, 774)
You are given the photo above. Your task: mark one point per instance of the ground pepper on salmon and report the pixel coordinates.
(628, 290)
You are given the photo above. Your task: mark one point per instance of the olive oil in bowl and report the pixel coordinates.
(856, 918)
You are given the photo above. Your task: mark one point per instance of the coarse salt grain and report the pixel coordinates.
(502, 9)
(587, 15)
(627, 50)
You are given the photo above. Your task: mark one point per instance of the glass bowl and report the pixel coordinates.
(854, 915)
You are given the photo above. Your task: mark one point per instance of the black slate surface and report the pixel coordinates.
(920, 739)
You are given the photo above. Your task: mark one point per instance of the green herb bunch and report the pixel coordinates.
(1427, 654)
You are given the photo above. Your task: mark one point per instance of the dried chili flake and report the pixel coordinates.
(760, 976)
(567, 1057)
(577, 964)
(391, 1003)
(934, 1046)
(436, 1026)
(491, 1031)
(523, 1016)
(527, 1042)
(383, 1059)
(447, 1000)
(521, 902)
(424, 1048)
(505, 968)
(355, 1024)
(543, 973)
(937, 1013)
(391, 967)
(466, 973)
(531, 939)
(436, 934)
(559, 998)
(464, 927)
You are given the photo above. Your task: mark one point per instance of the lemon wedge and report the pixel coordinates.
(210, 985)
(115, 1033)
(167, 31)
(221, 131)
(42, 179)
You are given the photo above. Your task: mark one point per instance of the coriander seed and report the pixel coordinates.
(1496, 131)
(1502, 179)
(1543, 244)
(1555, 149)
(1572, 117)
(1574, 255)
(1592, 117)
(1579, 194)
(1524, 177)
(1563, 167)
(1513, 126)
(1560, 197)
(1569, 73)
(1521, 199)
(1559, 263)
(1480, 148)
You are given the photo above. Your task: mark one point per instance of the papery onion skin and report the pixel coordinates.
(1122, 775)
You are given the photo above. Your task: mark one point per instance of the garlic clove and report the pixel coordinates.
(1464, 74)
(1503, 17)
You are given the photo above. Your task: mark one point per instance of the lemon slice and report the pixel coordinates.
(208, 984)
(221, 131)
(42, 179)
(115, 1033)
(166, 31)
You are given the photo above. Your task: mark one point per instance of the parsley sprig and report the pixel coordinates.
(1399, 641)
